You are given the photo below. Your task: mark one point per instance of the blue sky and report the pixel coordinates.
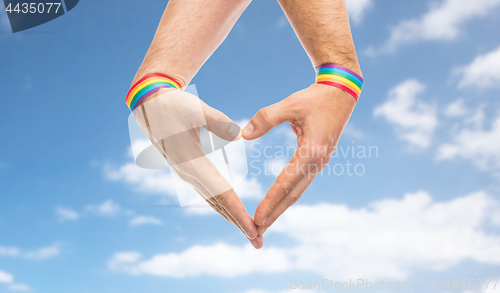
(76, 215)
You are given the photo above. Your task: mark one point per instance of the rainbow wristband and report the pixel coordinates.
(341, 77)
(146, 86)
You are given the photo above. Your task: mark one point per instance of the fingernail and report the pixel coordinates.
(248, 130)
(254, 243)
(247, 234)
(264, 221)
(263, 231)
(234, 131)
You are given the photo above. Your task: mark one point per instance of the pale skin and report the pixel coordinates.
(188, 33)
(191, 30)
(317, 114)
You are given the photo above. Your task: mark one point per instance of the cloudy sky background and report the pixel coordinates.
(77, 215)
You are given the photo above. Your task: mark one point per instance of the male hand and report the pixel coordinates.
(172, 120)
(317, 115)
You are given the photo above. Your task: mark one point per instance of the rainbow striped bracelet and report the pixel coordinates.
(341, 77)
(146, 86)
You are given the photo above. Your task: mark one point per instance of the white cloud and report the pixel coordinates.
(220, 259)
(201, 209)
(43, 253)
(9, 251)
(414, 119)
(6, 277)
(37, 254)
(124, 257)
(143, 180)
(250, 188)
(284, 134)
(353, 131)
(387, 239)
(161, 182)
(275, 166)
(121, 259)
(145, 220)
(476, 144)
(456, 109)
(107, 209)
(66, 214)
(19, 288)
(137, 146)
(442, 22)
(372, 234)
(358, 8)
(483, 72)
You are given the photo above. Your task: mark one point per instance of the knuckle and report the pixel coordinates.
(270, 220)
(269, 205)
(221, 200)
(315, 158)
(317, 155)
(285, 188)
(322, 151)
(325, 162)
(294, 197)
(265, 115)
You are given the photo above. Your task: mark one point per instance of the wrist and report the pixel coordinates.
(159, 62)
(333, 95)
(347, 59)
(170, 72)
(147, 86)
(340, 77)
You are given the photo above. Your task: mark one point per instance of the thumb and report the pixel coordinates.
(219, 124)
(265, 119)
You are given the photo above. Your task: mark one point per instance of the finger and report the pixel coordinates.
(257, 243)
(286, 202)
(296, 193)
(212, 205)
(267, 118)
(219, 192)
(226, 202)
(286, 181)
(303, 160)
(231, 203)
(204, 177)
(196, 186)
(256, 240)
(220, 124)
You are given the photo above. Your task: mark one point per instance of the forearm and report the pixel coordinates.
(322, 27)
(188, 33)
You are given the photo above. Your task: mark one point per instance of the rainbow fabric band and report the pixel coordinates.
(146, 86)
(341, 77)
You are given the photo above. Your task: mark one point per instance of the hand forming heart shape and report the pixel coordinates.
(172, 120)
